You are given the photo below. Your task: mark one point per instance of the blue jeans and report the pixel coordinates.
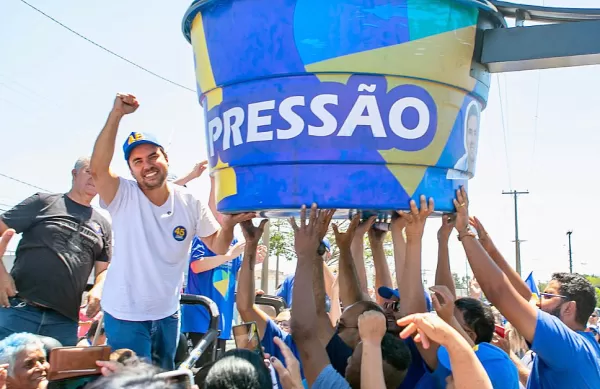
(155, 340)
(22, 317)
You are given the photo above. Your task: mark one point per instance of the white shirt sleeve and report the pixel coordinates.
(121, 197)
(206, 224)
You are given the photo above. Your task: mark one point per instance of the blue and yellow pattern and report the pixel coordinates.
(353, 104)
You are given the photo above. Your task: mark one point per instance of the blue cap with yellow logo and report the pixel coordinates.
(138, 138)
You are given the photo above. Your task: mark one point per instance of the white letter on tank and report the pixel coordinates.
(317, 106)
(356, 118)
(215, 128)
(232, 128)
(255, 121)
(396, 118)
(288, 114)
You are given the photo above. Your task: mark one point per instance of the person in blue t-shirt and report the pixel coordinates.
(287, 286)
(566, 356)
(213, 276)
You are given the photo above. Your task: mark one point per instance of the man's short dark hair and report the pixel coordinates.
(395, 352)
(478, 317)
(239, 369)
(577, 288)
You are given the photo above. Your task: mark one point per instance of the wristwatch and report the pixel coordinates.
(322, 248)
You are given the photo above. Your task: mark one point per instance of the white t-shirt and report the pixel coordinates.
(150, 251)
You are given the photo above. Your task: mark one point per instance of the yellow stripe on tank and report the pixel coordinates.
(204, 71)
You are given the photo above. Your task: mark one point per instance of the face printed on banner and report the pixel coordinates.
(472, 134)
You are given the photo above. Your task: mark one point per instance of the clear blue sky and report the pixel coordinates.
(57, 89)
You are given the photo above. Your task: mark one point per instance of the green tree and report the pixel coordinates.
(459, 282)
(281, 240)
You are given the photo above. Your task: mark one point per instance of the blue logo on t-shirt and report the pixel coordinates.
(179, 233)
(218, 284)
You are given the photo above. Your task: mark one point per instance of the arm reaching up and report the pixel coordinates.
(107, 182)
(357, 249)
(443, 274)
(246, 293)
(382, 269)
(350, 290)
(304, 320)
(494, 282)
(371, 326)
(196, 172)
(494, 253)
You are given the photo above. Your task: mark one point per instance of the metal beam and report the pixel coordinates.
(545, 14)
(541, 47)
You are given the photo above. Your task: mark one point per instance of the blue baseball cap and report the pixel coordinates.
(138, 138)
(497, 364)
(389, 293)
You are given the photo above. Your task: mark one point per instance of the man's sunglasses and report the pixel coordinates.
(550, 295)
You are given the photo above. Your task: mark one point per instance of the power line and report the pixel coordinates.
(535, 126)
(24, 183)
(107, 50)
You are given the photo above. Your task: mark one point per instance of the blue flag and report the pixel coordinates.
(530, 282)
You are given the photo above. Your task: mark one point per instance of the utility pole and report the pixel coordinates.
(264, 277)
(570, 253)
(515, 194)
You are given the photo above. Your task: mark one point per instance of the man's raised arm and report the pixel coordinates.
(494, 282)
(106, 182)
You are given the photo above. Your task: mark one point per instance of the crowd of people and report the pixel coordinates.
(334, 334)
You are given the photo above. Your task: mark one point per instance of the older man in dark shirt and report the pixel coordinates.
(63, 239)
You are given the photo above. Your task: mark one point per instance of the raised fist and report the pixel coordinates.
(125, 104)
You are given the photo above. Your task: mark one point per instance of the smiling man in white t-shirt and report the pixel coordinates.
(154, 223)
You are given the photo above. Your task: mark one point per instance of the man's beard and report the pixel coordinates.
(556, 311)
(156, 184)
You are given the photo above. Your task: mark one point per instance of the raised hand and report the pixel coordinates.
(252, 233)
(307, 235)
(461, 203)
(325, 221)
(198, 169)
(289, 375)
(229, 221)
(125, 104)
(344, 239)
(448, 222)
(261, 254)
(7, 284)
(502, 343)
(416, 218)
(482, 234)
(377, 236)
(236, 250)
(428, 327)
(444, 307)
(363, 227)
(398, 223)
(371, 327)
(474, 289)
